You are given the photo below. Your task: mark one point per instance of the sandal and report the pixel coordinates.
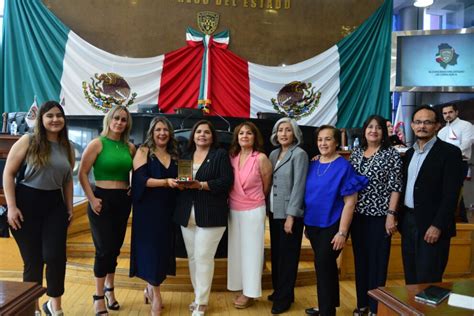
(192, 306)
(197, 311)
(248, 302)
(98, 298)
(115, 306)
(147, 296)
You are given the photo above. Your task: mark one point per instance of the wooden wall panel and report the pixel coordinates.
(142, 28)
(460, 263)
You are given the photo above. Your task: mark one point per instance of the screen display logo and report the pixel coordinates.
(446, 55)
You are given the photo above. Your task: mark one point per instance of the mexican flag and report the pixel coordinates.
(343, 85)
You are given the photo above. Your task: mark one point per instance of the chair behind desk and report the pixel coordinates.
(352, 134)
(19, 118)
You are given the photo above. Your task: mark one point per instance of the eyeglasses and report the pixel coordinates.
(427, 122)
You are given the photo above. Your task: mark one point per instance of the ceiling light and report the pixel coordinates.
(423, 3)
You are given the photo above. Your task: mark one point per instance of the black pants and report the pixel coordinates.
(285, 255)
(462, 213)
(422, 262)
(108, 228)
(42, 237)
(371, 246)
(325, 264)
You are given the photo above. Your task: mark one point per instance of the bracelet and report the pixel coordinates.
(392, 212)
(341, 233)
(201, 186)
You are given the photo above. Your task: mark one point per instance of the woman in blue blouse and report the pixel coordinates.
(330, 198)
(375, 213)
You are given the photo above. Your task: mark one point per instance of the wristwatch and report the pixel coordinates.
(392, 212)
(341, 233)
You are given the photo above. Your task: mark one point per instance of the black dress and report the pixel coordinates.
(152, 247)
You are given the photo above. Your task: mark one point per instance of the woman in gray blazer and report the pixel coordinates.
(290, 164)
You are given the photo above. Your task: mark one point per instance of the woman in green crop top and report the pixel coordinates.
(110, 156)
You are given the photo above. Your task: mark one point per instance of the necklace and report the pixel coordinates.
(117, 143)
(370, 159)
(325, 170)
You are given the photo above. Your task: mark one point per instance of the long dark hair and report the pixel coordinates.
(234, 149)
(192, 144)
(385, 142)
(171, 147)
(40, 148)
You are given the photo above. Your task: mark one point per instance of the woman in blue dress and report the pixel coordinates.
(153, 183)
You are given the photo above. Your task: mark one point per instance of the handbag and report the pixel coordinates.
(4, 226)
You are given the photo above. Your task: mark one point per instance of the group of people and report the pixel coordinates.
(327, 199)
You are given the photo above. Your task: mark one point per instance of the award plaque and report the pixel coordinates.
(185, 170)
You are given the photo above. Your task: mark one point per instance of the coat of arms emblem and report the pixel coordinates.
(446, 55)
(108, 90)
(296, 100)
(208, 21)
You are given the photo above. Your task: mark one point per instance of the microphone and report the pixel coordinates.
(222, 118)
(181, 126)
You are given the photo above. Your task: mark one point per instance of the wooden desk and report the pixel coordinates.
(3, 201)
(6, 142)
(401, 300)
(19, 298)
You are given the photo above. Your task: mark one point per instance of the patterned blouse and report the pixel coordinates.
(384, 170)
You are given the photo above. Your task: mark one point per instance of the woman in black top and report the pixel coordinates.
(202, 209)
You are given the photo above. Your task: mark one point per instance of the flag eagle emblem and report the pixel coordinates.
(296, 99)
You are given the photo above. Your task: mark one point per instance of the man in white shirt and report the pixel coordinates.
(459, 133)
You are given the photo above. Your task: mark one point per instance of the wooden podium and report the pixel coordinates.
(19, 298)
(401, 300)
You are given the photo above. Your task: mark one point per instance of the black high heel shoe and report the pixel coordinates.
(98, 298)
(115, 306)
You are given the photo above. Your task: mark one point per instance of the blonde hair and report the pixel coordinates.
(124, 137)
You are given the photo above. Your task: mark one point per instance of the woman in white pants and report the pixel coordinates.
(202, 209)
(252, 177)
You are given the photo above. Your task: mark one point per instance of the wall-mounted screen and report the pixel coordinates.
(441, 60)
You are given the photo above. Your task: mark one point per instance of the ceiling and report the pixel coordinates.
(438, 5)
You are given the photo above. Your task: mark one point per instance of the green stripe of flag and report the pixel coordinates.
(364, 58)
(33, 52)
